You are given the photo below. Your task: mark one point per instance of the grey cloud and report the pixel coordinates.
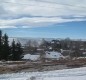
(40, 12)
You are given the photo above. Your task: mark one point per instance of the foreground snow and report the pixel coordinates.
(66, 74)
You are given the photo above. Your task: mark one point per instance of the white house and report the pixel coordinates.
(53, 55)
(31, 57)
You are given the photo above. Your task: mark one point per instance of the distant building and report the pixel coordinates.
(53, 55)
(31, 57)
(67, 53)
(84, 54)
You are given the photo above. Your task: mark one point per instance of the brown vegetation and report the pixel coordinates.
(16, 66)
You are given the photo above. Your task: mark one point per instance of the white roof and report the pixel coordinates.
(31, 57)
(53, 54)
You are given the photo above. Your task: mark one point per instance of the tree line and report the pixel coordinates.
(74, 48)
(10, 52)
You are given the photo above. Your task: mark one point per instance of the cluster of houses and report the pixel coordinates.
(48, 55)
(57, 49)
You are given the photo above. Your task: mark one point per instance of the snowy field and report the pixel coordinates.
(66, 74)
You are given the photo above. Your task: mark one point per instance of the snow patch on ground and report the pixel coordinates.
(66, 74)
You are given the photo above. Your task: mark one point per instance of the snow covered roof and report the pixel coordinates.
(53, 54)
(31, 57)
(84, 52)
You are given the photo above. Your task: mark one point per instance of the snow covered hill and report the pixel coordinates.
(66, 74)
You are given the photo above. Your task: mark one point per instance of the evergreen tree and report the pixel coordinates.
(0, 44)
(13, 50)
(16, 51)
(5, 48)
(19, 51)
(0, 38)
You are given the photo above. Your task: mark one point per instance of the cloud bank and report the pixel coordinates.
(39, 13)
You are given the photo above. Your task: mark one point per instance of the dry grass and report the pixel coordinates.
(15, 66)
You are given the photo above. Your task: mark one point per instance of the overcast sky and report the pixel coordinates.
(43, 18)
